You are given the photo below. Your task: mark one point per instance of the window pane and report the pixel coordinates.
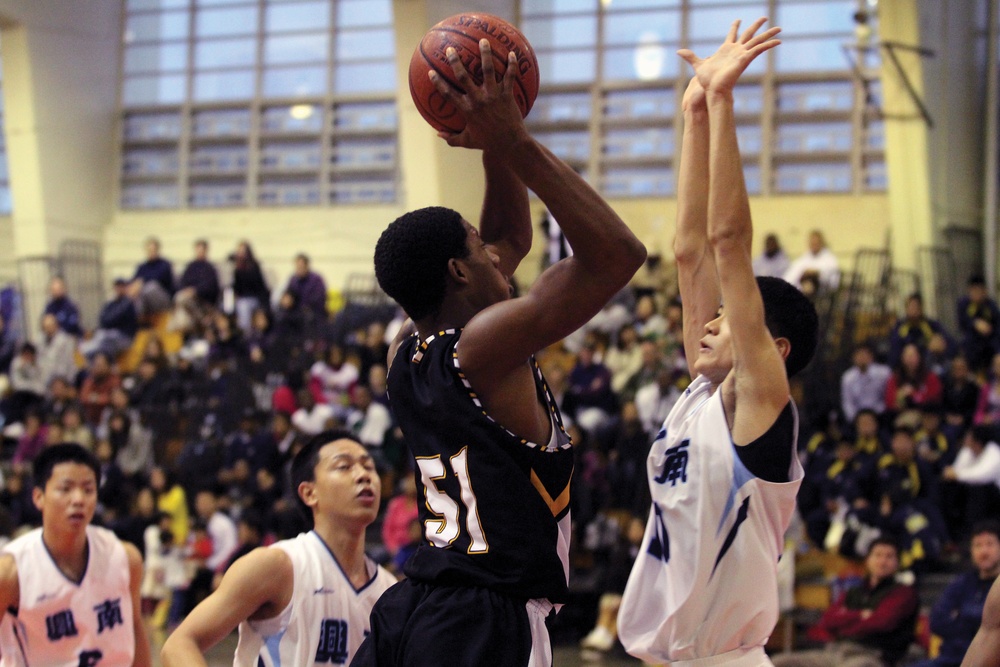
(150, 196)
(805, 18)
(751, 139)
(351, 13)
(570, 146)
(642, 28)
(639, 4)
(638, 182)
(876, 175)
(149, 162)
(225, 53)
(145, 127)
(813, 137)
(207, 3)
(361, 189)
(295, 82)
(557, 107)
(562, 32)
(645, 63)
(802, 55)
(379, 77)
(289, 193)
(298, 118)
(218, 159)
(290, 156)
(156, 27)
(155, 57)
(298, 16)
(138, 90)
(229, 21)
(364, 153)
(296, 48)
(365, 44)
(818, 177)
(631, 104)
(221, 123)
(752, 178)
(136, 5)
(713, 23)
(365, 116)
(875, 135)
(556, 6)
(567, 66)
(5, 199)
(639, 143)
(816, 96)
(748, 99)
(217, 194)
(235, 85)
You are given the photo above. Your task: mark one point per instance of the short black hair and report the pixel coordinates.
(52, 456)
(411, 258)
(789, 314)
(983, 433)
(883, 540)
(990, 526)
(305, 460)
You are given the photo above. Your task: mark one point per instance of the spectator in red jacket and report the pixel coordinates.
(870, 625)
(912, 385)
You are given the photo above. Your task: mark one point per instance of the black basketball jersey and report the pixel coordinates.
(496, 506)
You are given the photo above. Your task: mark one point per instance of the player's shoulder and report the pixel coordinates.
(10, 588)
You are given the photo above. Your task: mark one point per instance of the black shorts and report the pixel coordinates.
(415, 625)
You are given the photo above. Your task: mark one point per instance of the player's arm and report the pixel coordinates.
(257, 585)
(759, 379)
(405, 331)
(10, 588)
(143, 656)
(505, 222)
(569, 293)
(984, 651)
(697, 278)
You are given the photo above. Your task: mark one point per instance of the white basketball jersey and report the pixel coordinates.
(704, 582)
(63, 623)
(325, 621)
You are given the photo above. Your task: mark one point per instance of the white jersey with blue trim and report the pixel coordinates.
(326, 618)
(705, 582)
(64, 623)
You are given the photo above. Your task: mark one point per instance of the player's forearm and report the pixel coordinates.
(181, 651)
(691, 237)
(601, 241)
(506, 216)
(729, 225)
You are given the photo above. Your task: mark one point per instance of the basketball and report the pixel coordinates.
(463, 32)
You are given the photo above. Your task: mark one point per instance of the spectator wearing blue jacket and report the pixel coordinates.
(152, 285)
(66, 312)
(117, 325)
(956, 615)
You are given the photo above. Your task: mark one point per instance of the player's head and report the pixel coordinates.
(66, 479)
(790, 315)
(423, 253)
(985, 546)
(333, 474)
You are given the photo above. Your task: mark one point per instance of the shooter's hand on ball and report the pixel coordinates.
(493, 120)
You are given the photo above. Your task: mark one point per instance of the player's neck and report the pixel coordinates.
(348, 546)
(69, 550)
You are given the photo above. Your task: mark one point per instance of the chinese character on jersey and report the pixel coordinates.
(332, 641)
(60, 624)
(675, 464)
(109, 614)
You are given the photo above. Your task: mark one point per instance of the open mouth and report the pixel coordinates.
(367, 495)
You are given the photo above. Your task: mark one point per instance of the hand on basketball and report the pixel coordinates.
(720, 71)
(493, 119)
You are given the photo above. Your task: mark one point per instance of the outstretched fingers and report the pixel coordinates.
(734, 30)
(765, 36)
(754, 27)
(689, 56)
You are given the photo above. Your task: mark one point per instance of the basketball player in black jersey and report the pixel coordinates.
(493, 461)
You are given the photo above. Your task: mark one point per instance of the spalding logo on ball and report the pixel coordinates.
(463, 32)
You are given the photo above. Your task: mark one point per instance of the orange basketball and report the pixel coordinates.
(463, 32)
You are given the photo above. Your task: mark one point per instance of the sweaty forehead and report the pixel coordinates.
(71, 471)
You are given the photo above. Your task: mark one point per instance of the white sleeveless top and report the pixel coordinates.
(326, 619)
(705, 580)
(60, 622)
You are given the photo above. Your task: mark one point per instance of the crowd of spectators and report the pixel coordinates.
(195, 444)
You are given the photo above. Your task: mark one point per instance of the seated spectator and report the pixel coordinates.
(309, 290)
(940, 351)
(56, 352)
(978, 318)
(624, 358)
(957, 613)
(909, 480)
(959, 397)
(369, 421)
(862, 386)
(846, 483)
(112, 490)
(337, 375)
(648, 322)
(152, 286)
(817, 261)
(312, 418)
(400, 512)
(772, 261)
(378, 384)
(61, 396)
(988, 405)
(914, 327)
(627, 463)
(977, 470)
(250, 290)
(62, 308)
(198, 290)
(911, 385)
(74, 430)
(95, 393)
(373, 348)
(869, 625)
(867, 436)
(654, 401)
(589, 393)
(116, 326)
(933, 445)
(652, 362)
(172, 501)
(32, 441)
(26, 385)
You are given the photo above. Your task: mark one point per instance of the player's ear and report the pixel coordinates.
(784, 346)
(37, 495)
(456, 270)
(307, 492)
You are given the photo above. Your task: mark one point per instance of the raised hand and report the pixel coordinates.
(493, 119)
(694, 96)
(720, 71)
